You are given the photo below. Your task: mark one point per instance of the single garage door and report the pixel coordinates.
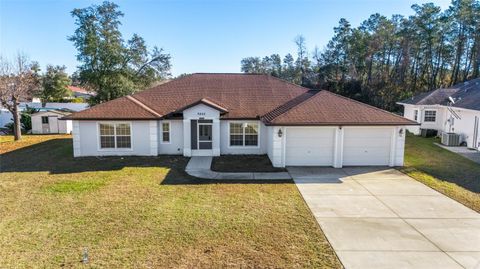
(366, 146)
(309, 146)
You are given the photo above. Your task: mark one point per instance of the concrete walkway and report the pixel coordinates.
(381, 218)
(471, 154)
(200, 167)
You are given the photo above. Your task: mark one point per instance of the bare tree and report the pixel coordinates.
(18, 82)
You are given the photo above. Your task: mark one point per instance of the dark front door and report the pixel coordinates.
(204, 135)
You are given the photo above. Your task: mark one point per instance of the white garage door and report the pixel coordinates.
(366, 146)
(309, 146)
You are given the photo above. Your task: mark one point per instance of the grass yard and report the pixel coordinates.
(244, 163)
(144, 212)
(442, 170)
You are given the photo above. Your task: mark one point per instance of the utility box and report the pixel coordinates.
(450, 139)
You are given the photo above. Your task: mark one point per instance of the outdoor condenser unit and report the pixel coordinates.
(450, 139)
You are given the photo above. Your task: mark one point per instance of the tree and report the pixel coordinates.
(55, 84)
(302, 63)
(389, 59)
(18, 82)
(110, 66)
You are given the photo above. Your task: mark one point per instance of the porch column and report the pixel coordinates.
(216, 137)
(153, 124)
(187, 147)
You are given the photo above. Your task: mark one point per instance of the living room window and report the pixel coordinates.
(115, 135)
(430, 116)
(243, 134)
(166, 132)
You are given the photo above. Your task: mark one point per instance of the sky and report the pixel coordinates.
(201, 36)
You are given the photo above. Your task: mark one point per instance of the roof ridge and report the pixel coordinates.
(288, 82)
(213, 102)
(142, 105)
(364, 104)
(288, 105)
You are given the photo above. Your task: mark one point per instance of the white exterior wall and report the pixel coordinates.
(36, 124)
(195, 113)
(77, 150)
(270, 135)
(440, 123)
(278, 147)
(86, 139)
(399, 144)
(465, 126)
(69, 126)
(175, 146)
(225, 147)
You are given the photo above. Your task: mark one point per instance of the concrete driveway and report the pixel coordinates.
(381, 218)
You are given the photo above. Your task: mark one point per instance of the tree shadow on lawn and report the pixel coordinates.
(56, 157)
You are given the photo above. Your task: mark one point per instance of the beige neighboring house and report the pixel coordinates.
(49, 122)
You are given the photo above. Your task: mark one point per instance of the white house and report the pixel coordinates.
(453, 110)
(48, 122)
(215, 114)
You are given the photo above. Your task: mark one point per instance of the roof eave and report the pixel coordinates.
(343, 124)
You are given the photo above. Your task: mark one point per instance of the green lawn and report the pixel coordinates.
(445, 171)
(144, 212)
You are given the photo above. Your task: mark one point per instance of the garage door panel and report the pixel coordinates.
(366, 146)
(366, 143)
(309, 146)
(304, 142)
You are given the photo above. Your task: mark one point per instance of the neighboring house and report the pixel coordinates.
(7, 117)
(452, 110)
(48, 122)
(214, 114)
(80, 92)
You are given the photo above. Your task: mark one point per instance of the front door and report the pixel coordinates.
(204, 136)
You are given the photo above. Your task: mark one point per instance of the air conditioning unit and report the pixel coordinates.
(450, 139)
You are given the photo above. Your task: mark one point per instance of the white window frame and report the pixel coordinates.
(415, 115)
(99, 146)
(243, 132)
(169, 132)
(425, 115)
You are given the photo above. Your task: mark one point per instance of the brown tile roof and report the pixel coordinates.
(206, 102)
(326, 108)
(123, 108)
(247, 96)
(242, 96)
(79, 90)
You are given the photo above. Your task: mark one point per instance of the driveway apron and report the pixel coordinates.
(376, 217)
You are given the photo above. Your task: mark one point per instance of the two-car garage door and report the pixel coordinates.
(315, 146)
